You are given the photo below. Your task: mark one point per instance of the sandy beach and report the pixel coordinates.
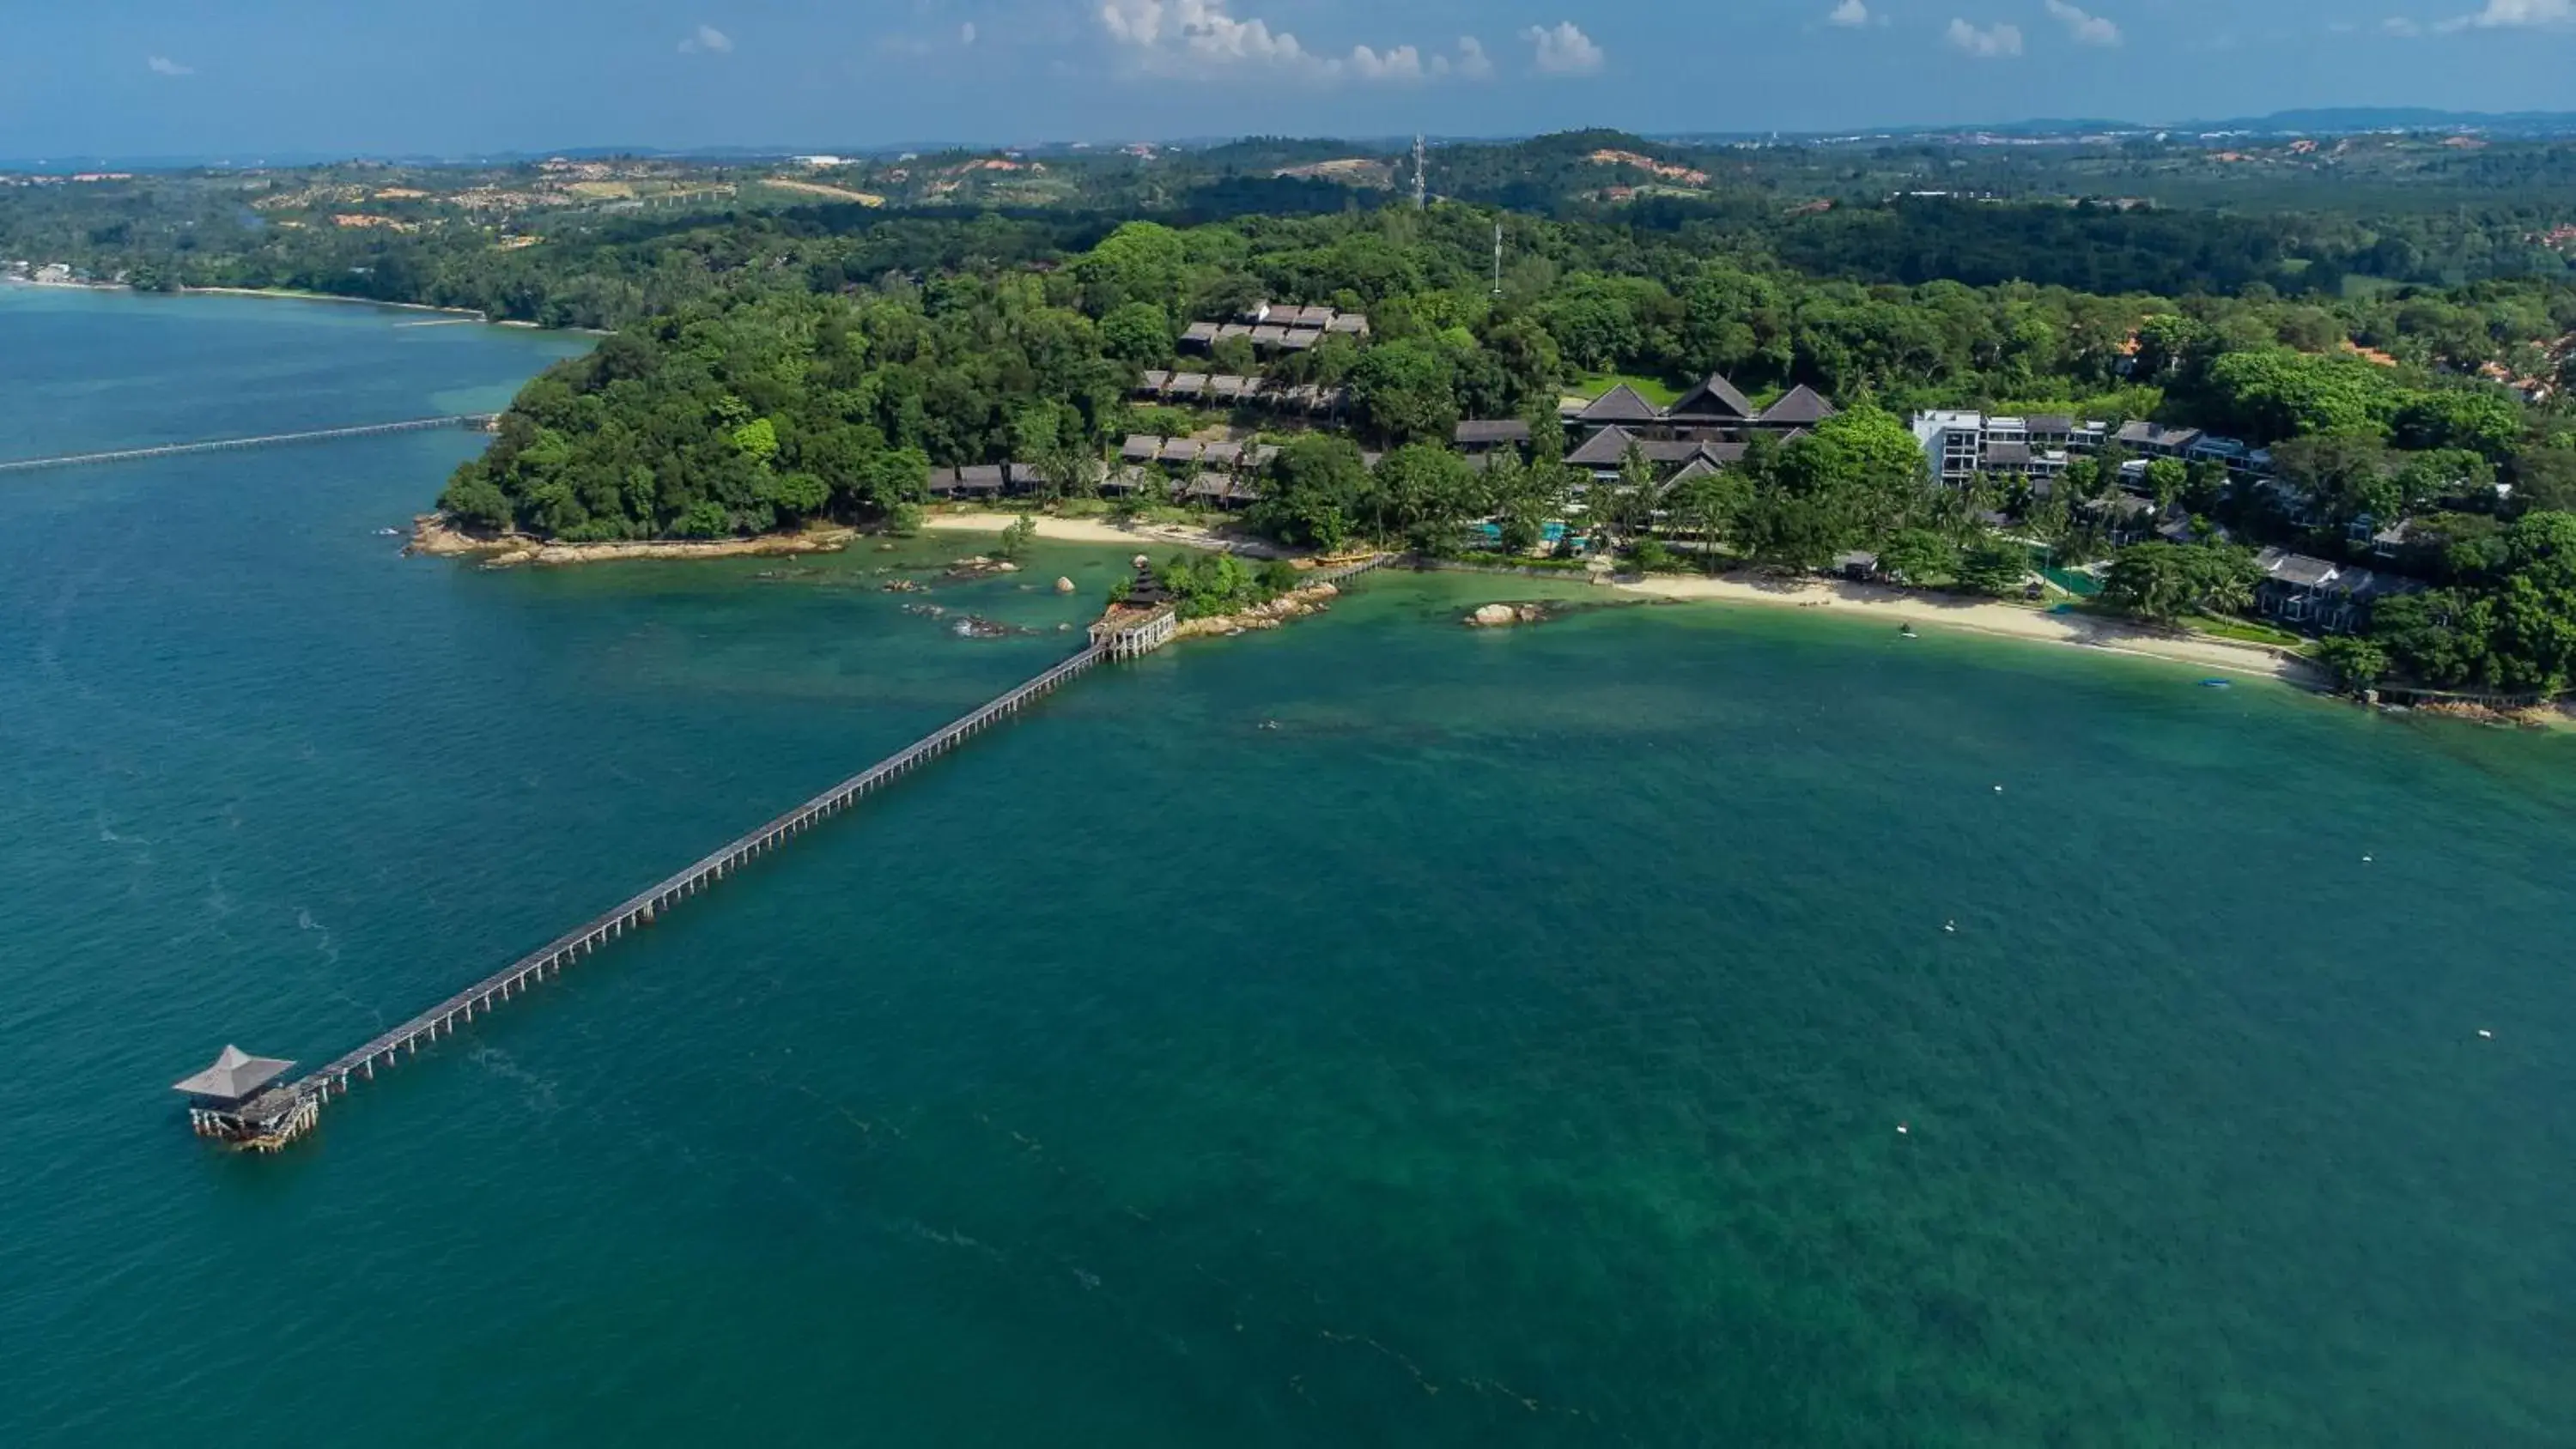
(1089, 530)
(286, 295)
(2009, 621)
(433, 536)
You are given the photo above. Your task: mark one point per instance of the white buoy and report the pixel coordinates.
(1902, 1129)
(1949, 925)
(2365, 860)
(2482, 1031)
(1999, 789)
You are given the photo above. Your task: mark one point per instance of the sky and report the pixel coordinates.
(251, 78)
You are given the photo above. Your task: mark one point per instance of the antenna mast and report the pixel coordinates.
(1421, 181)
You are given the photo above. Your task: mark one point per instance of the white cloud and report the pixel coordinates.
(1993, 42)
(2085, 28)
(966, 33)
(2401, 27)
(1564, 50)
(1850, 14)
(1195, 36)
(708, 39)
(2509, 14)
(164, 65)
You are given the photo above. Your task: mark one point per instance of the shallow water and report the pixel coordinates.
(1508, 1047)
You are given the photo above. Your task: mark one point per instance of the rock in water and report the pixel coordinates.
(1006, 567)
(1494, 616)
(1063, 585)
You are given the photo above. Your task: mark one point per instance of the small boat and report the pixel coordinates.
(1906, 631)
(2218, 684)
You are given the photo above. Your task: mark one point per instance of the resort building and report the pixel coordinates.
(220, 1099)
(1276, 328)
(1229, 390)
(1715, 409)
(2323, 597)
(1959, 445)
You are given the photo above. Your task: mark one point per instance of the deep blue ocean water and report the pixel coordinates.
(1507, 1048)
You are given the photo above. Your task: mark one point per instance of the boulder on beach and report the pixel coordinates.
(1063, 585)
(1494, 616)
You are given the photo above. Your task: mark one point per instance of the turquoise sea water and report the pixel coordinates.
(1507, 1048)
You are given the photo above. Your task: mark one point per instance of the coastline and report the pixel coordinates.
(2000, 620)
(289, 295)
(283, 294)
(1093, 530)
(432, 536)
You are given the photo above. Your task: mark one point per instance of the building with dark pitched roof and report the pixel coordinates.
(1800, 407)
(1622, 405)
(1481, 436)
(1715, 400)
(1603, 450)
(235, 1075)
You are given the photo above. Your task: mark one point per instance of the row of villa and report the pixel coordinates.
(1277, 329)
(1231, 390)
(2299, 590)
(1958, 446)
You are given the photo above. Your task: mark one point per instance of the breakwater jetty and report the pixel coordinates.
(230, 445)
(252, 1102)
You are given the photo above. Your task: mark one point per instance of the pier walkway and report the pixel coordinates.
(273, 440)
(278, 1115)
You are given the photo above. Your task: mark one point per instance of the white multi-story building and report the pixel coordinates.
(1958, 445)
(1954, 443)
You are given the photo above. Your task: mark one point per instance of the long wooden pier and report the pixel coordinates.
(273, 440)
(279, 1114)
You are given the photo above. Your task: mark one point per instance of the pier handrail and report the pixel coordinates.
(701, 869)
(284, 1111)
(218, 445)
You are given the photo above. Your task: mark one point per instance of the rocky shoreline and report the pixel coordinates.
(434, 535)
(1297, 603)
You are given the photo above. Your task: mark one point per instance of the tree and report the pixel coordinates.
(2165, 581)
(1139, 333)
(1405, 390)
(1918, 556)
(473, 500)
(1017, 538)
(2347, 475)
(1424, 491)
(2479, 419)
(757, 439)
(2166, 479)
(795, 496)
(2357, 662)
(1318, 487)
(2440, 637)
(1994, 567)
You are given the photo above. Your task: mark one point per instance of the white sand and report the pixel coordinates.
(2011, 621)
(1081, 530)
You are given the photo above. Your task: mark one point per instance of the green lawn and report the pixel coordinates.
(2244, 631)
(1661, 394)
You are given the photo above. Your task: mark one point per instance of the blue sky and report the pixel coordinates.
(250, 77)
